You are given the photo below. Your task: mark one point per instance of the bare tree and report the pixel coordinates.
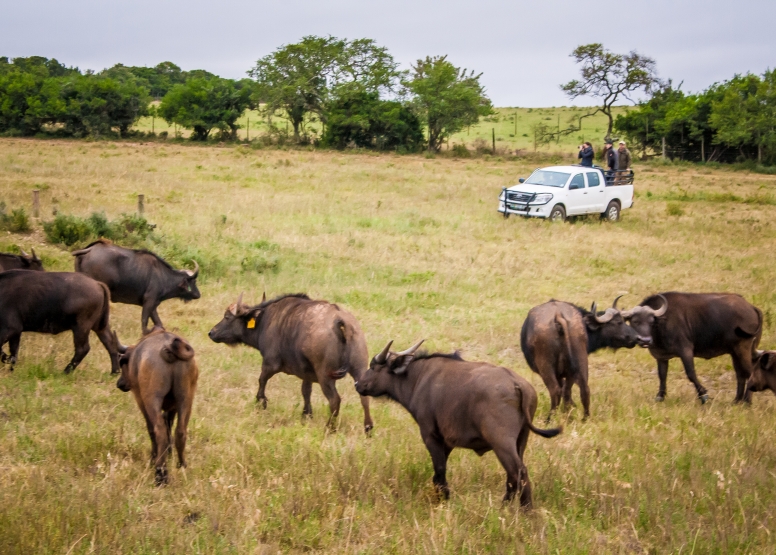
(610, 77)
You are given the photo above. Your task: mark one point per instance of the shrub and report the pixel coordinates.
(67, 230)
(460, 151)
(129, 229)
(17, 221)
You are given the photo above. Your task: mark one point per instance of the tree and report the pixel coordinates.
(446, 98)
(609, 76)
(206, 103)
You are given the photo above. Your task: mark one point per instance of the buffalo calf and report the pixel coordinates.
(556, 338)
(764, 372)
(472, 405)
(162, 374)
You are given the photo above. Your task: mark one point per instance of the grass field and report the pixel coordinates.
(415, 249)
(502, 122)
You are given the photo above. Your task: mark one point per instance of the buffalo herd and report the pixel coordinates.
(456, 403)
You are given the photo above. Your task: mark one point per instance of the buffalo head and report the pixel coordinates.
(188, 285)
(384, 369)
(642, 319)
(238, 319)
(610, 329)
(31, 262)
(764, 372)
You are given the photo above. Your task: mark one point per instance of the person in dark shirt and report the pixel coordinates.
(586, 154)
(610, 161)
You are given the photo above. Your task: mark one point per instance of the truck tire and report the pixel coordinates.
(557, 214)
(612, 213)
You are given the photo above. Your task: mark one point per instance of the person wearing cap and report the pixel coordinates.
(610, 160)
(623, 160)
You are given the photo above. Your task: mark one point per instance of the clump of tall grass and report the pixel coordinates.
(16, 222)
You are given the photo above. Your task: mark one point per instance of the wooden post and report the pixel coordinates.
(140, 204)
(493, 129)
(515, 124)
(248, 130)
(664, 148)
(36, 203)
(703, 150)
(153, 128)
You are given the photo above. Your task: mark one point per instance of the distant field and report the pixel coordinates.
(415, 249)
(503, 122)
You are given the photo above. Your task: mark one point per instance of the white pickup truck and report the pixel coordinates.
(557, 192)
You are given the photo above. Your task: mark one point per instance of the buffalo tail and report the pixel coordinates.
(563, 323)
(552, 432)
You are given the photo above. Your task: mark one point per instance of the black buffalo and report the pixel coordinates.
(316, 341)
(24, 262)
(54, 302)
(557, 337)
(472, 405)
(137, 277)
(705, 325)
(764, 372)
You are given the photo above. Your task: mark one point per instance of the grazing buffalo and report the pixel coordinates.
(23, 262)
(137, 277)
(557, 337)
(53, 302)
(764, 372)
(472, 405)
(162, 374)
(313, 340)
(706, 325)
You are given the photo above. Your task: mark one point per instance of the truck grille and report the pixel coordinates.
(518, 197)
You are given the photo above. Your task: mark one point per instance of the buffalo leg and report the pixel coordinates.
(584, 394)
(743, 370)
(662, 374)
(566, 385)
(307, 389)
(555, 391)
(181, 430)
(368, 423)
(517, 474)
(13, 346)
(7, 337)
(329, 389)
(110, 343)
(266, 373)
(439, 453)
(169, 418)
(689, 369)
(156, 418)
(81, 344)
(525, 492)
(149, 311)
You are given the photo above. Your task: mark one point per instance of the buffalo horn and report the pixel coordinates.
(264, 297)
(383, 356)
(411, 350)
(608, 315)
(34, 256)
(662, 310)
(195, 272)
(24, 254)
(614, 304)
(238, 304)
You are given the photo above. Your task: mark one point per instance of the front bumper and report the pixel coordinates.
(529, 211)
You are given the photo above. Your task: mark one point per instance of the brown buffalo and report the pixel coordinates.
(556, 338)
(764, 372)
(24, 262)
(705, 325)
(162, 374)
(472, 405)
(313, 340)
(55, 302)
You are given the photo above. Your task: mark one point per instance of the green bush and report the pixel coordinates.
(67, 230)
(128, 229)
(17, 221)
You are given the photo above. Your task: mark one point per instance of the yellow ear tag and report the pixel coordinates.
(251, 323)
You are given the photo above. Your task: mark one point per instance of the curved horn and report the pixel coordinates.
(24, 254)
(662, 310)
(411, 350)
(264, 297)
(195, 272)
(381, 358)
(593, 308)
(34, 256)
(608, 315)
(614, 304)
(235, 309)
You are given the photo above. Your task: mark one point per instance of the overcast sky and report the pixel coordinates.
(522, 48)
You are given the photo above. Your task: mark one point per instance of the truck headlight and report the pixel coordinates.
(542, 198)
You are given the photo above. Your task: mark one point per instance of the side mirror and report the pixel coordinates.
(521, 180)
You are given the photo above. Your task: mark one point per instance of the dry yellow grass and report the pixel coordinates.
(414, 248)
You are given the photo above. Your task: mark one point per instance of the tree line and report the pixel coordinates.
(352, 90)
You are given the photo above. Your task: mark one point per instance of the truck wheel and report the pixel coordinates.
(612, 213)
(557, 214)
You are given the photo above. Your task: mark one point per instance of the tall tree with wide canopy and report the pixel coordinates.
(447, 98)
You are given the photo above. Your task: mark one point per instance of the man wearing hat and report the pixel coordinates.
(623, 160)
(610, 160)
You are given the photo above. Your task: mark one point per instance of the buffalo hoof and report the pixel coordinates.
(262, 402)
(660, 397)
(368, 428)
(703, 398)
(161, 477)
(69, 368)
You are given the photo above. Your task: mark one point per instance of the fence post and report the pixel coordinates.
(248, 130)
(703, 150)
(36, 203)
(664, 148)
(493, 129)
(140, 204)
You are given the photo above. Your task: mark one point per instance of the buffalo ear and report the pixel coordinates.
(765, 359)
(399, 364)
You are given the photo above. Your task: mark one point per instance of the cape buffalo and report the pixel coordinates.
(162, 374)
(313, 340)
(53, 302)
(706, 325)
(24, 262)
(764, 372)
(557, 337)
(473, 405)
(137, 277)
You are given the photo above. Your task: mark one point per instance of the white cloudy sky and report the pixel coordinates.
(520, 47)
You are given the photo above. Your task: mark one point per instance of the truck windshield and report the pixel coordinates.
(550, 179)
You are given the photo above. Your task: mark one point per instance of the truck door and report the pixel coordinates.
(596, 193)
(576, 201)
